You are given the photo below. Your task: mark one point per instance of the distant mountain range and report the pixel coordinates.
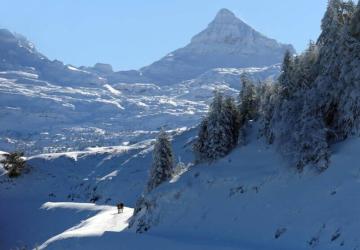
(46, 106)
(227, 42)
(18, 54)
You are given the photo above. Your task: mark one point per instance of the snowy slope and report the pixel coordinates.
(71, 177)
(107, 220)
(102, 175)
(39, 116)
(248, 200)
(252, 200)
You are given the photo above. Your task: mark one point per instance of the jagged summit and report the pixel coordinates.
(226, 42)
(227, 17)
(227, 29)
(223, 28)
(225, 14)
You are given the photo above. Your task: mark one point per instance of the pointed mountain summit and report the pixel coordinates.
(225, 16)
(227, 42)
(224, 26)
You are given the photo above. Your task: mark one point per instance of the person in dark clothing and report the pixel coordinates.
(120, 207)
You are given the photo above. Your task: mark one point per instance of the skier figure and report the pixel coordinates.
(120, 207)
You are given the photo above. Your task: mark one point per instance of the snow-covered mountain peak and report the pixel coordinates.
(225, 15)
(223, 29)
(227, 42)
(228, 34)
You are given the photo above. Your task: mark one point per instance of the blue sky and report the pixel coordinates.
(130, 34)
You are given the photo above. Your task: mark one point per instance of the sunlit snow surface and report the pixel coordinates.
(106, 220)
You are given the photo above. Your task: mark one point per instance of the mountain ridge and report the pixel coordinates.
(227, 42)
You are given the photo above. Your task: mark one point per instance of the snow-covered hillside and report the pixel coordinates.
(71, 177)
(248, 200)
(251, 200)
(39, 116)
(103, 176)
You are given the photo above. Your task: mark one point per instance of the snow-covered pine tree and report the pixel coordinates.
(308, 67)
(231, 118)
(311, 145)
(248, 101)
(355, 23)
(217, 143)
(218, 131)
(293, 131)
(269, 94)
(330, 24)
(283, 102)
(347, 97)
(14, 164)
(161, 171)
(286, 71)
(200, 147)
(162, 166)
(322, 85)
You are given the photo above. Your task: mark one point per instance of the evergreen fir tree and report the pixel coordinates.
(248, 101)
(311, 146)
(14, 164)
(355, 23)
(162, 166)
(232, 123)
(322, 85)
(218, 131)
(269, 94)
(216, 143)
(286, 70)
(330, 24)
(200, 147)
